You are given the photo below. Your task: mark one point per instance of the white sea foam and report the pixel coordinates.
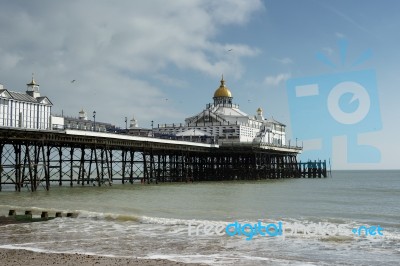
(96, 236)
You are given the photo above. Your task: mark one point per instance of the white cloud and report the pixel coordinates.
(339, 35)
(276, 80)
(285, 60)
(328, 50)
(114, 50)
(170, 81)
(9, 59)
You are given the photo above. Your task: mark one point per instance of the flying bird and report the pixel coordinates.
(72, 81)
(230, 50)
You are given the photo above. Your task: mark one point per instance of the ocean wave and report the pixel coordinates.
(304, 229)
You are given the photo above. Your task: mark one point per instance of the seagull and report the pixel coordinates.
(230, 50)
(72, 81)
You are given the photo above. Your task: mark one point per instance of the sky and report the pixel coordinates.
(162, 61)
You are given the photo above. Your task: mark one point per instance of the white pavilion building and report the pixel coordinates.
(25, 110)
(226, 123)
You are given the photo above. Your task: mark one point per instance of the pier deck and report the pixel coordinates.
(35, 158)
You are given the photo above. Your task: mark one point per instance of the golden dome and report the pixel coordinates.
(33, 82)
(259, 110)
(223, 91)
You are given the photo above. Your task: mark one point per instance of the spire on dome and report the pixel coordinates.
(82, 115)
(33, 88)
(33, 82)
(134, 123)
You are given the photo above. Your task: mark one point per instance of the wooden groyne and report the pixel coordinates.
(13, 217)
(32, 159)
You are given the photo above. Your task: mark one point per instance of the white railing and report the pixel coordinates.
(260, 145)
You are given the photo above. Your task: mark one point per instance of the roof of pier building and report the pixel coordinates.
(223, 110)
(223, 113)
(27, 96)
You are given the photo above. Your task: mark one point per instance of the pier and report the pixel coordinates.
(34, 159)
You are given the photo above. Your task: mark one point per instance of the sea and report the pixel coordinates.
(349, 218)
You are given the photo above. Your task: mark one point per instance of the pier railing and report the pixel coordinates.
(262, 145)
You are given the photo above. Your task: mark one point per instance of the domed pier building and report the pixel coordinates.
(224, 123)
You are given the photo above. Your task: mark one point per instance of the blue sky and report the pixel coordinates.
(162, 62)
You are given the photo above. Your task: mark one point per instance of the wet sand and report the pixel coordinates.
(25, 257)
